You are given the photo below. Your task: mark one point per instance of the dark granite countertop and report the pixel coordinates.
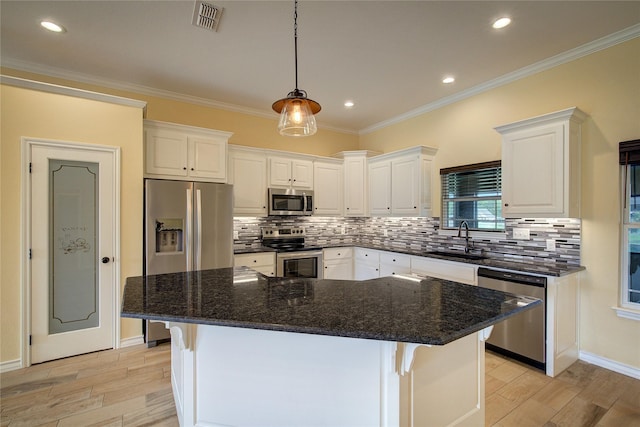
(545, 269)
(430, 311)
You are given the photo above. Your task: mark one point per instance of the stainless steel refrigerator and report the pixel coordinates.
(188, 227)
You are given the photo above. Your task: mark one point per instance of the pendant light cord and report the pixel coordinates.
(295, 38)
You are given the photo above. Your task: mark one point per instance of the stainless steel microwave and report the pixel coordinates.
(287, 201)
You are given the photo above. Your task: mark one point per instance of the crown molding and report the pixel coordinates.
(69, 91)
(546, 64)
(145, 90)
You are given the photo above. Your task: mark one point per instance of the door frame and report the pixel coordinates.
(25, 281)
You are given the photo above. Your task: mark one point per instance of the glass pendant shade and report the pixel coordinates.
(296, 118)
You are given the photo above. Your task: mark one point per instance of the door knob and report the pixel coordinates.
(105, 259)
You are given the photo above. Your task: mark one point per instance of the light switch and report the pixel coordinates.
(551, 244)
(521, 233)
(235, 235)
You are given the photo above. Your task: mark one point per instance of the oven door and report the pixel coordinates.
(304, 264)
(290, 202)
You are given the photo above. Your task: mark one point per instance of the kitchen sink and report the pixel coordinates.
(462, 255)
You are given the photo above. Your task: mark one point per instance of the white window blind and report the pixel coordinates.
(472, 193)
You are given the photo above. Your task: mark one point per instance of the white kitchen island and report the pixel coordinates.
(263, 351)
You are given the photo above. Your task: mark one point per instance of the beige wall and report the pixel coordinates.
(248, 130)
(606, 85)
(28, 113)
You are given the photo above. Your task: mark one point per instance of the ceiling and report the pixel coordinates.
(388, 57)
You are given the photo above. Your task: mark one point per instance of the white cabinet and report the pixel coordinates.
(248, 174)
(392, 263)
(541, 166)
(328, 188)
(447, 270)
(366, 264)
(262, 262)
(400, 182)
(562, 322)
(338, 263)
(356, 188)
(380, 188)
(290, 173)
(184, 152)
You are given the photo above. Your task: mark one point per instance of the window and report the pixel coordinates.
(630, 283)
(472, 193)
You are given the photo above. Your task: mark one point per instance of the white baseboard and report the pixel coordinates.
(129, 342)
(612, 365)
(10, 365)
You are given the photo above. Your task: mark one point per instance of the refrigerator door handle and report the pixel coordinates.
(189, 227)
(198, 231)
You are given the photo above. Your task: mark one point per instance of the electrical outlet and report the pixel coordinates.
(551, 244)
(385, 233)
(235, 235)
(344, 230)
(521, 233)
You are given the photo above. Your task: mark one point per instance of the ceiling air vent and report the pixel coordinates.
(207, 15)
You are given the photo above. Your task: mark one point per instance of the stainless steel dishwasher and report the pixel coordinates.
(523, 336)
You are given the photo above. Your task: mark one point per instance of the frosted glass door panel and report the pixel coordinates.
(73, 276)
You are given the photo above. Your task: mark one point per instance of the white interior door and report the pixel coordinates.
(73, 242)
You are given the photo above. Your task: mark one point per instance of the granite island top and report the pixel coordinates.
(427, 311)
(545, 269)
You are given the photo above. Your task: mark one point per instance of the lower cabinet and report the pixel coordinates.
(338, 263)
(366, 263)
(262, 262)
(392, 263)
(442, 269)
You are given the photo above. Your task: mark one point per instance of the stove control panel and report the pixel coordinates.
(282, 232)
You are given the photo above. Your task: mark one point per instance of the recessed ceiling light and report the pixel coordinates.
(501, 23)
(349, 104)
(448, 80)
(52, 26)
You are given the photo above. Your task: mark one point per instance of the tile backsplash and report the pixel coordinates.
(421, 234)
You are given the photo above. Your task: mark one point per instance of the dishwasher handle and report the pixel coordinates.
(510, 276)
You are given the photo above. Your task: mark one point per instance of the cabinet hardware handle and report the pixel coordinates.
(255, 260)
(192, 169)
(415, 207)
(506, 204)
(388, 207)
(184, 168)
(347, 208)
(105, 260)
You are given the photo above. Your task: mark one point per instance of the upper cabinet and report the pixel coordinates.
(400, 182)
(248, 175)
(290, 173)
(541, 166)
(184, 152)
(356, 188)
(328, 178)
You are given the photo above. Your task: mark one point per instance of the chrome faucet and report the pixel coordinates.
(466, 238)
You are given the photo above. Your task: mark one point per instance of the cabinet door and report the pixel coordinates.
(328, 190)
(405, 186)
(248, 175)
(380, 188)
(302, 174)
(363, 271)
(355, 172)
(207, 159)
(533, 171)
(338, 270)
(165, 153)
(279, 172)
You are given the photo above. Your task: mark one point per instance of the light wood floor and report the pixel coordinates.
(131, 387)
(583, 395)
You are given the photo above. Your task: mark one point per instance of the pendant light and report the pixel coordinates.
(296, 110)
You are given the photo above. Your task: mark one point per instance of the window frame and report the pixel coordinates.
(625, 258)
(445, 200)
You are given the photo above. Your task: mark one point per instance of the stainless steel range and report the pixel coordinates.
(294, 258)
